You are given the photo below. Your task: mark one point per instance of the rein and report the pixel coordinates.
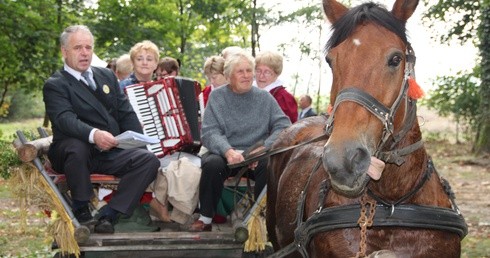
(268, 152)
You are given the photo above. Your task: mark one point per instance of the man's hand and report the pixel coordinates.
(233, 156)
(104, 140)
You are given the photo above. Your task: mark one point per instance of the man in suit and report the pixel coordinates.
(87, 110)
(305, 105)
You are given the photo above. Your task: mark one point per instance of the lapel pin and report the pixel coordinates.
(106, 89)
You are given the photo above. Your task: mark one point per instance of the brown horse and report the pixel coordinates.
(368, 186)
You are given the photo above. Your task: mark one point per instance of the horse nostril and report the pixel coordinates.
(358, 160)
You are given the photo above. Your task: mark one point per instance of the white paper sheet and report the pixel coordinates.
(130, 139)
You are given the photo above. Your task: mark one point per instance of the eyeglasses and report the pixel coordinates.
(266, 73)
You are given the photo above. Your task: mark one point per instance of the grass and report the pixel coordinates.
(20, 237)
(8, 130)
(475, 247)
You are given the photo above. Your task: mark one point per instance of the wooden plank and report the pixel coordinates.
(196, 247)
(197, 253)
(165, 235)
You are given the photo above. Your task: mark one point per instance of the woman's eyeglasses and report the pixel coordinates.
(265, 72)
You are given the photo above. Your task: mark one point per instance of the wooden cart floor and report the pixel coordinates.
(170, 241)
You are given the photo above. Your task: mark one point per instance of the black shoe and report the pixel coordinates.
(84, 216)
(104, 225)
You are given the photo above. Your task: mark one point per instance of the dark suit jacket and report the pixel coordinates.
(309, 113)
(74, 110)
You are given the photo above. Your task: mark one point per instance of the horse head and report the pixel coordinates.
(370, 59)
(353, 205)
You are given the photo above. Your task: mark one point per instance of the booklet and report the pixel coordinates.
(131, 139)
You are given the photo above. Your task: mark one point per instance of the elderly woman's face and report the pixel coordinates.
(264, 75)
(241, 77)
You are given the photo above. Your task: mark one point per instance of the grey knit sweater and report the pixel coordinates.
(238, 121)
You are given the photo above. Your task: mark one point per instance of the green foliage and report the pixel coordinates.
(482, 143)
(8, 159)
(467, 20)
(320, 103)
(457, 96)
(189, 30)
(461, 19)
(8, 155)
(26, 105)
(29, 51)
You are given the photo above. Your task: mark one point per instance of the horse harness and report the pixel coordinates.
(382, 214)
(377, 212)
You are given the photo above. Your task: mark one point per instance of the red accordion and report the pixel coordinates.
(169, 110)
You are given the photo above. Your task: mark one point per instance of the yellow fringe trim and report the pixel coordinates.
(257, 230)
(31, 187)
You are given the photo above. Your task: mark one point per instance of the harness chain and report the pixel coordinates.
(365, 220)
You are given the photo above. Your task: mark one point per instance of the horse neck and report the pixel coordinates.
(397, 181)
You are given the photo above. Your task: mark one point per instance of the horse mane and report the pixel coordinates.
(367, 12)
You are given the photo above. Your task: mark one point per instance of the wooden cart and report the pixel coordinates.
(226, 240)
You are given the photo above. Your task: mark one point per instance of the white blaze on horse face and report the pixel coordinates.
(356, 42)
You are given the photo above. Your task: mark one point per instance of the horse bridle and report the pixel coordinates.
(384, 114)
(408, 215)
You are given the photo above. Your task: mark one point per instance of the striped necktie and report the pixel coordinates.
(91, 84)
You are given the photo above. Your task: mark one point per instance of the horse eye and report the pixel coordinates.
(328, 61)
(395, 61)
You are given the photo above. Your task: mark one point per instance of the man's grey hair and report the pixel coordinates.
(72, 29)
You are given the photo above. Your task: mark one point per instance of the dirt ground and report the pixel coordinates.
(470, 180)
(469, 177)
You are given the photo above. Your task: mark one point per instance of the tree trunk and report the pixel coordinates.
(482, 143)
(255, 28)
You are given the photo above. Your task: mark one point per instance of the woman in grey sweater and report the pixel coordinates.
(236, 117)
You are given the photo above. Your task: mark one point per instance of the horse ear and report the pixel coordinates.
(403, 9)
(333, 10)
